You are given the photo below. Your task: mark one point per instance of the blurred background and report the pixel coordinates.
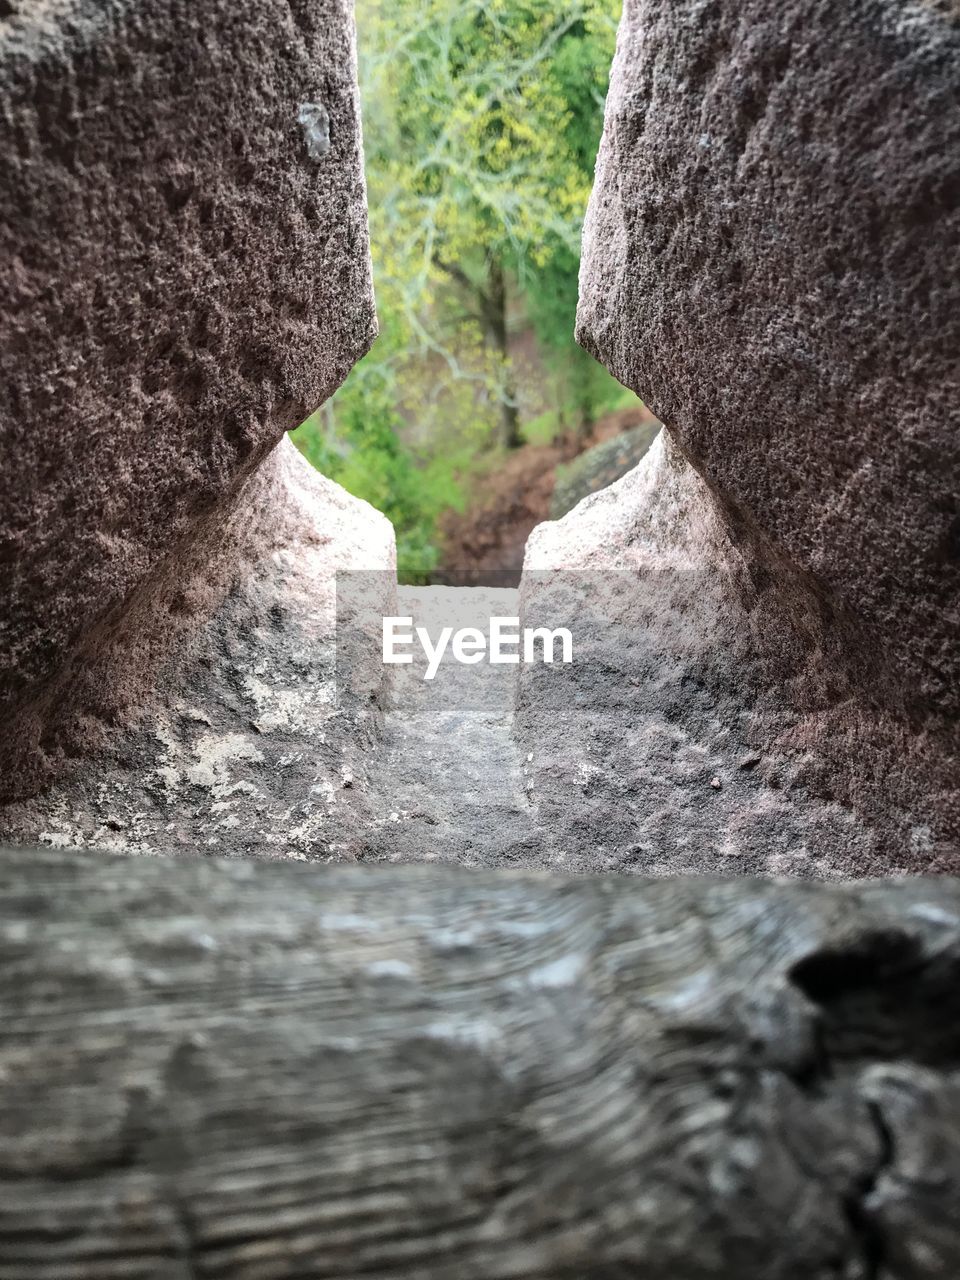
(475, 415)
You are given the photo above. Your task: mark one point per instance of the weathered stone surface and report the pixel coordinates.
(230, 1070)
(447, 781)
(256, 736)
(768, 262)
(769, 258)
(679, 740)
(183, 276)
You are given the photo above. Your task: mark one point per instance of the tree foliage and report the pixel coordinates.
(481, 124)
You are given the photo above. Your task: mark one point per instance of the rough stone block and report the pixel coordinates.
(769, 261)
(184, 275)
(258, 728)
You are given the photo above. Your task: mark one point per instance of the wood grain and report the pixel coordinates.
(231, 1069)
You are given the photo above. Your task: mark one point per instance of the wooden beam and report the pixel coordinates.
(231, 1069)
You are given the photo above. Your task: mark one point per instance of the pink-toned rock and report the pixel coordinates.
(681, 739)
(184, 275)
(769, 261)
(256, 723)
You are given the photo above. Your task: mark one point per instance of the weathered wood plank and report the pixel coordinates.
(234, 1069)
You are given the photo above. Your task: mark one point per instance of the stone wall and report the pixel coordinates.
(770, 261)
(223, 1068)
(184, 276)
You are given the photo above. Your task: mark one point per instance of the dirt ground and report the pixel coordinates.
(484, 544)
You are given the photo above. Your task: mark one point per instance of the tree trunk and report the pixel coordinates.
(581, 368)
(495, 323)
(259, 1071)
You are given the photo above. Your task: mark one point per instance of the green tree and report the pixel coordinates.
(481, 143)
(481, 124)
(357, 439)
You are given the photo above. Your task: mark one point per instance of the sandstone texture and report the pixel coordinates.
(671, 745)
(770, 259)
(258, 730)
(770, 262)
(184, 276)
(447, 783)
(765, 609)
